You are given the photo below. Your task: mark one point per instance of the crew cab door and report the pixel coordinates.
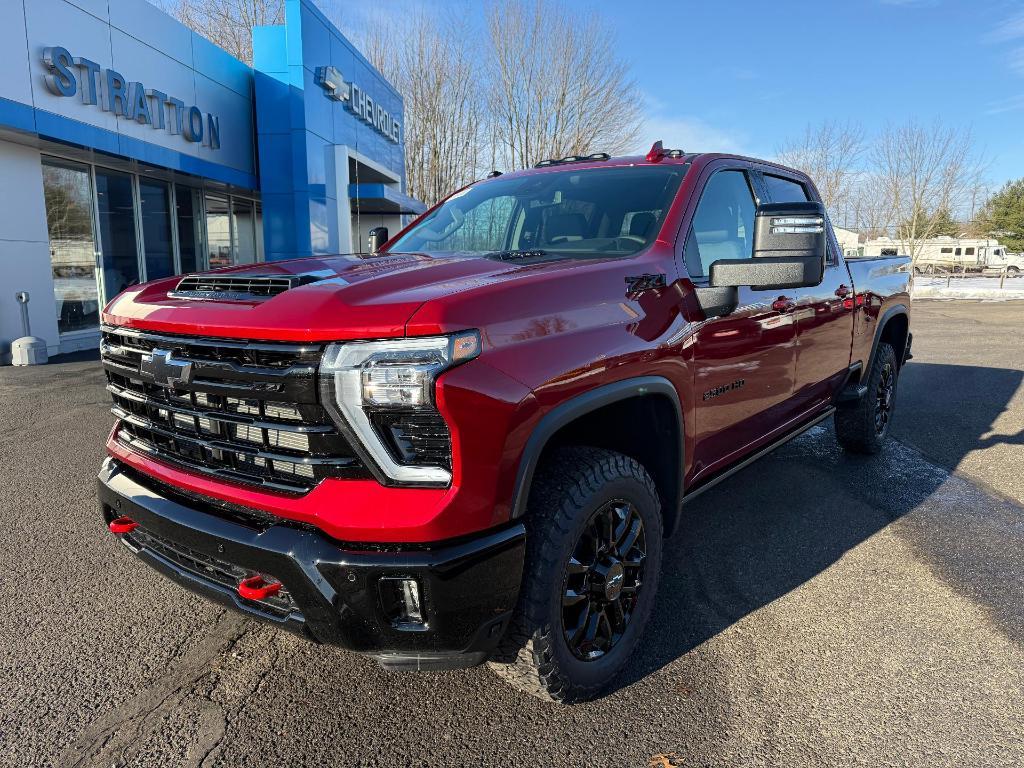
(744, 361)
(824, 323)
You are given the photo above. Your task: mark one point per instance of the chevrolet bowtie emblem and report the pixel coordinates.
(164, 370)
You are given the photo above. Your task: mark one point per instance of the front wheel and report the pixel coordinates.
(594, 543)
(863, 427)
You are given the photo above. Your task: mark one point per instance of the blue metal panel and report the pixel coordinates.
(299, 127)
(383, 198)
(20, 117)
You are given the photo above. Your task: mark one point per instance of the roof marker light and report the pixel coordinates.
(657, 152)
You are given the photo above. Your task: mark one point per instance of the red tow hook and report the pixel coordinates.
(258, 588)
(122, 525)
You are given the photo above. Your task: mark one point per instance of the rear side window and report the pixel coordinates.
(782, 190)
(723, 225)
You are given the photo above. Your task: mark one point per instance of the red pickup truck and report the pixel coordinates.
(470, 444)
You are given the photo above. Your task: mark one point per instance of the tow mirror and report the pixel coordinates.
(378, 236)
(790, 242)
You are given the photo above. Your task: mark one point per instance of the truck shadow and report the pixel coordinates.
(787, 518)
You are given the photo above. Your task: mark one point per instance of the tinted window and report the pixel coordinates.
(723, 226)
(782, 190)
(586, 212)
(968, 251)
(116, 203)
(155, 204)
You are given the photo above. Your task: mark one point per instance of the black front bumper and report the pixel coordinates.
(331, 593)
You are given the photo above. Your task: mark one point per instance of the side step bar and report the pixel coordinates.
(754, 457)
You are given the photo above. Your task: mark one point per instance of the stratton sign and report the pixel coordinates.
(113, 93)
(359, 103)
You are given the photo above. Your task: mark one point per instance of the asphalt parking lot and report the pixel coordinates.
(816, 610)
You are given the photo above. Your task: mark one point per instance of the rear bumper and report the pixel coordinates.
(331, 593)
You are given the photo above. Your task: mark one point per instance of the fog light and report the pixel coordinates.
(401, 598)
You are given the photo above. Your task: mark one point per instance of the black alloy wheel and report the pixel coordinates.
(884, 398)
(603, 579)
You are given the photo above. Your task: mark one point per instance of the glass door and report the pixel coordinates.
(115, 205)
(157, 245)
(189, 207)
(218, 232)
(245, 232)
(67, 191)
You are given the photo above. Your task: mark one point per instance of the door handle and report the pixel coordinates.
(783, 304)
(842, 291)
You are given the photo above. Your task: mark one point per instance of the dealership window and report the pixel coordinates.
(67, 190)
(244, 240)
(189, 205)
(234, 231)
(110, 228)
(115, 202)
(157, 245)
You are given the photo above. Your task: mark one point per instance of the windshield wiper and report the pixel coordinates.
(513, 255)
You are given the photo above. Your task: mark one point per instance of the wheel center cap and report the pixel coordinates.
(613, 581)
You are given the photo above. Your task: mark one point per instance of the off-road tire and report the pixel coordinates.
(856, 425)
(568, 489)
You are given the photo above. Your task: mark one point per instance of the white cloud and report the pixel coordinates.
(1016, 61)
(1011, 28)
(1012, 104)
(691, 134)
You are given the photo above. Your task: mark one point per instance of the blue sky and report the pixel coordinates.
(741, 75)
(746, 76)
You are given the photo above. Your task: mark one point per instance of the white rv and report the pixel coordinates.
(970, 254)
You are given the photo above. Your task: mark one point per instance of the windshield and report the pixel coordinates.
(583, 212)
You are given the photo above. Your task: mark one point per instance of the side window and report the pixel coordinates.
(968, 251)
(723, 225)
(782, 190)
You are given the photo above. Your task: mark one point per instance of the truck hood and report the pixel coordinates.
(336, 297)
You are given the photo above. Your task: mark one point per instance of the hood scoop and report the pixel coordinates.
(247, 287)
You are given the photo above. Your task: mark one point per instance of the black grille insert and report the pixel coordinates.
(209, 569)
(239, 287)
(245, 412)
(417, 438)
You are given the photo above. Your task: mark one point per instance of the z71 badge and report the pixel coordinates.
(711, 393)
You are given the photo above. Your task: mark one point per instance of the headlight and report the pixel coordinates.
(368, 385)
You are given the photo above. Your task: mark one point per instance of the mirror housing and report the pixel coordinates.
(378, 236)
(790, 229)
(790, 243)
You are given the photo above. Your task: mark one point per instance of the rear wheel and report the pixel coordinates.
(1012, 271)
(862, 428)
(594, 542)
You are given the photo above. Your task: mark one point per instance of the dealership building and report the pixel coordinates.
(132, 148)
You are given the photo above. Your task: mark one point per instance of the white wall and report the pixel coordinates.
(24, 249)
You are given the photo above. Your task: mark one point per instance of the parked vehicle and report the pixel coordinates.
(470, 445)
(953, 254)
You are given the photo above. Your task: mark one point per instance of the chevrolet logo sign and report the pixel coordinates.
(159, 366)
(333, 83)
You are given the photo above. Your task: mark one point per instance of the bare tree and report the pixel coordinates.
(555, 85)
(433, 65)
(830, 154)
(869, 206)
(228, 23)
(921, 172)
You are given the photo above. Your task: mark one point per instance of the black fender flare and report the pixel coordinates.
(579, 405)
(889, 314)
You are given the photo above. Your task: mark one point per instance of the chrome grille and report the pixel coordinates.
(241, 411)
